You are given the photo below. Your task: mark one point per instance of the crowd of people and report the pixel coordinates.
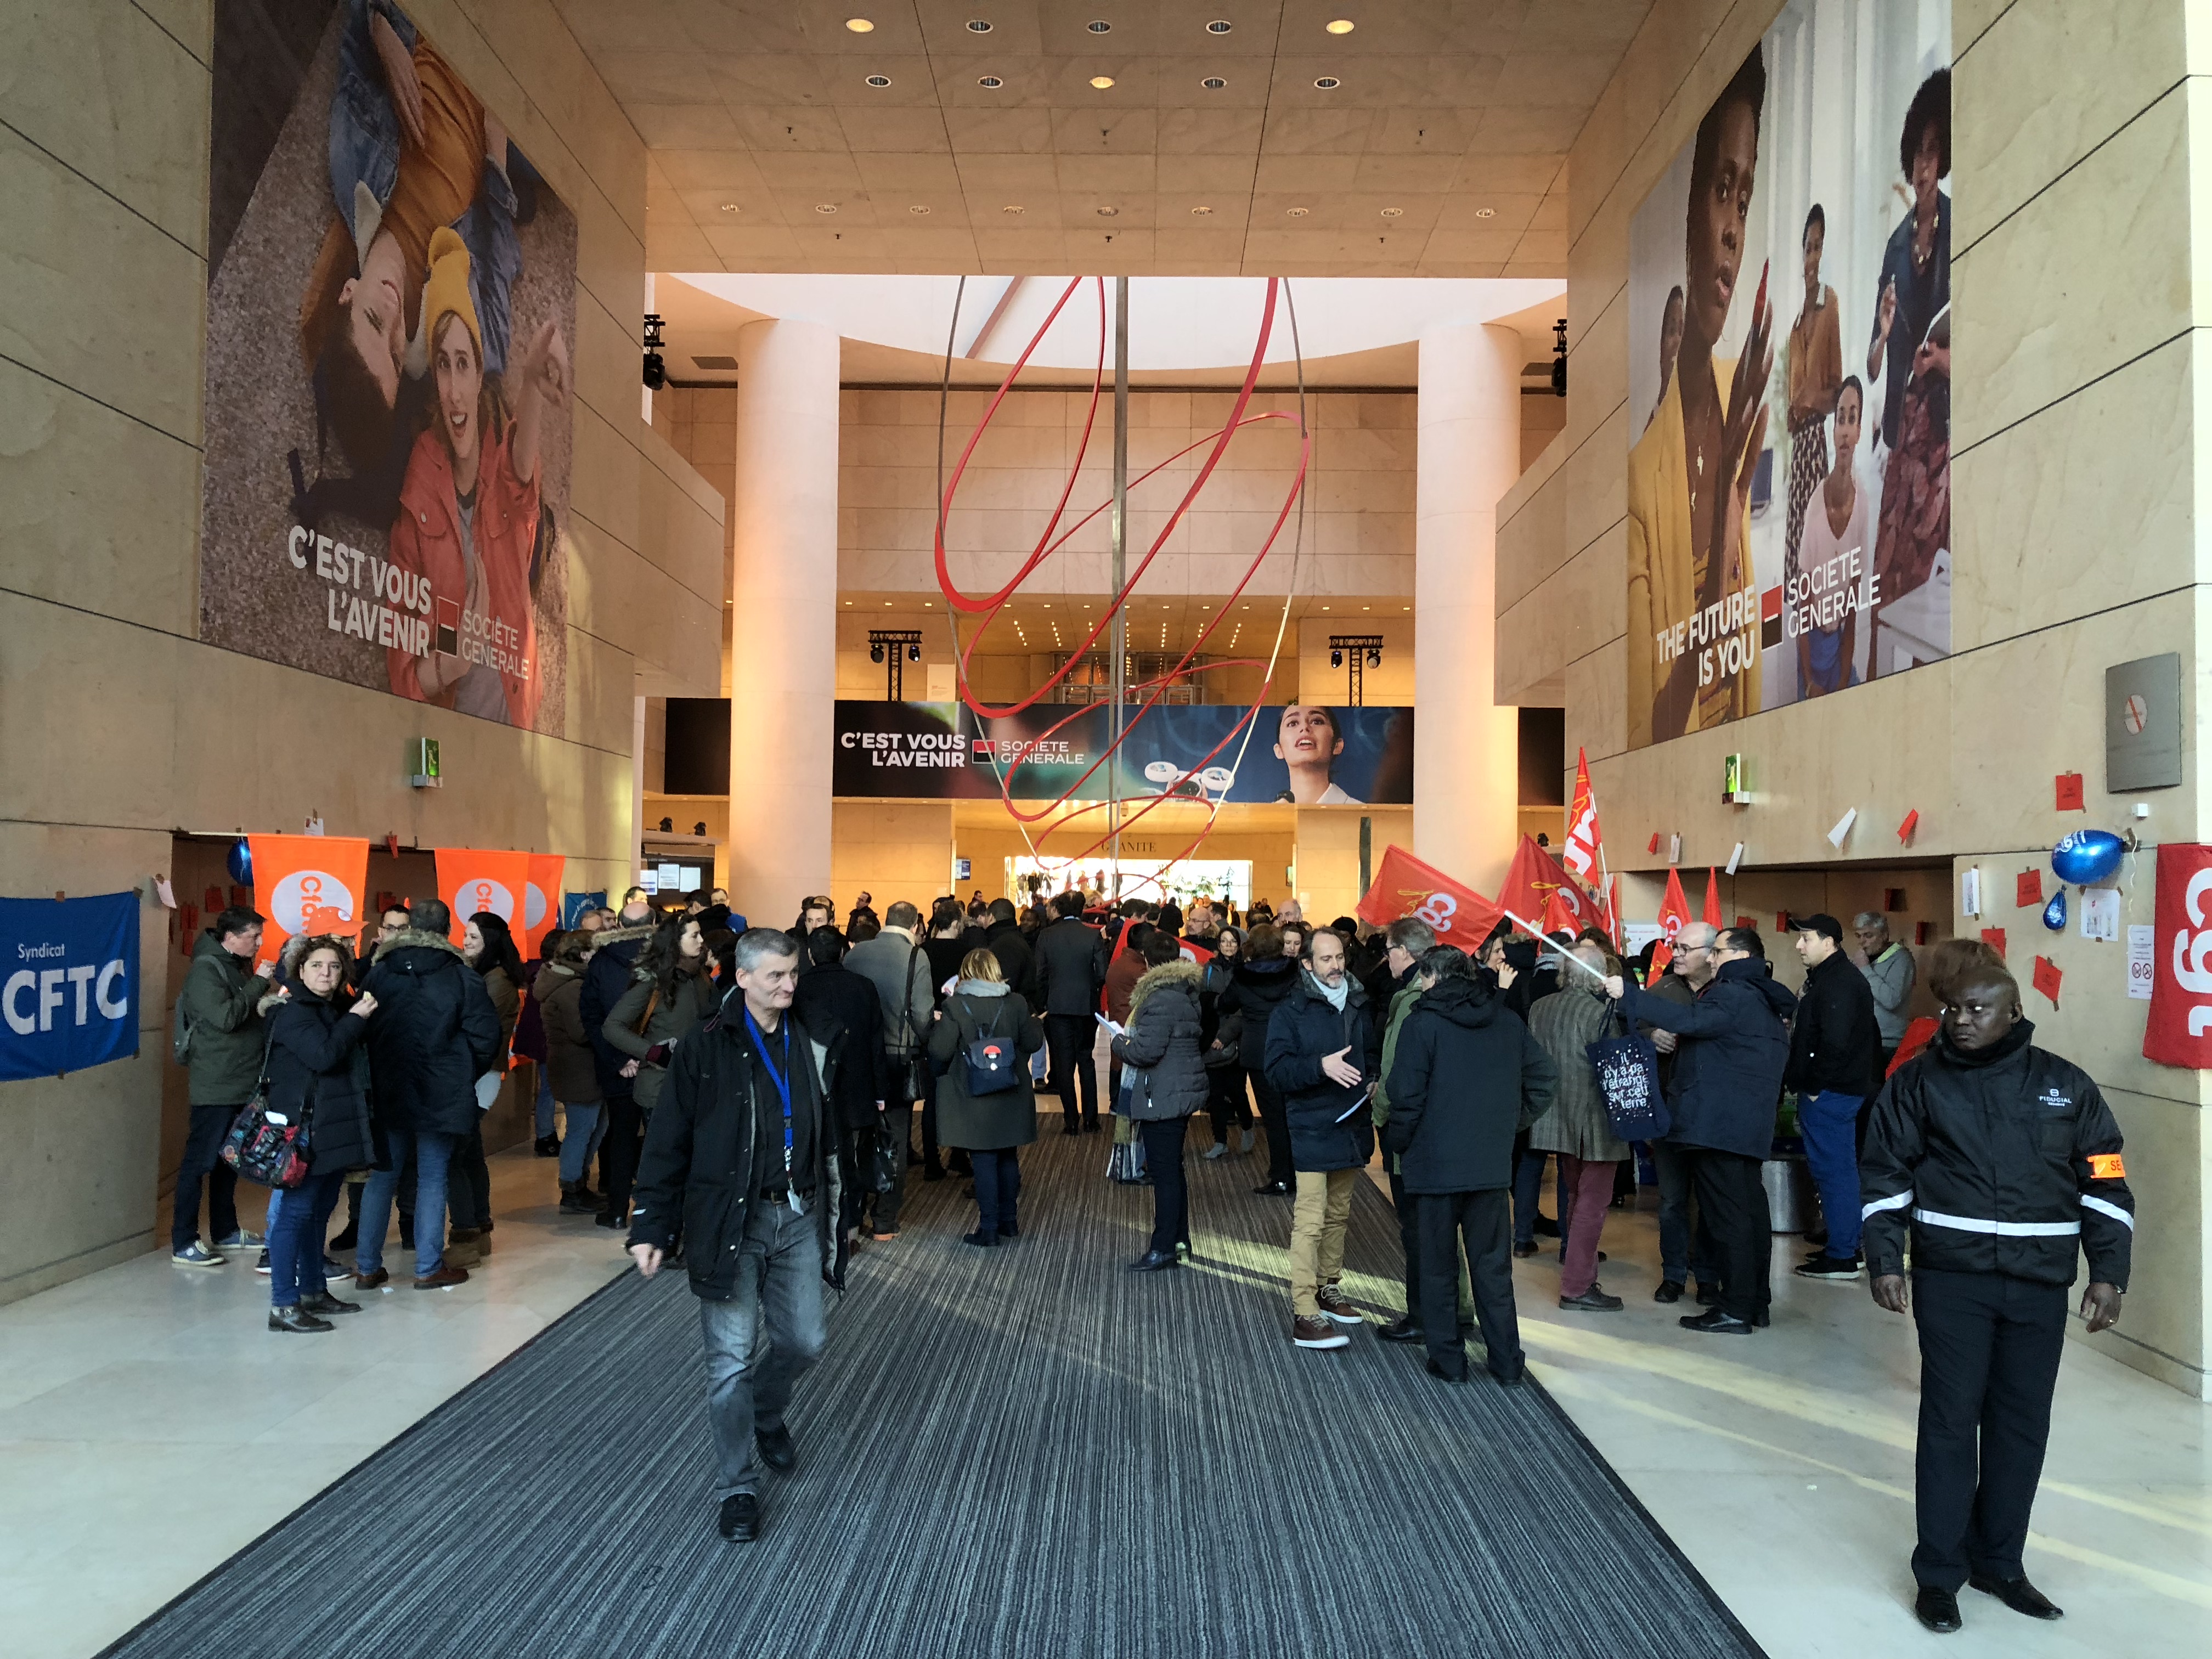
(680, 1048)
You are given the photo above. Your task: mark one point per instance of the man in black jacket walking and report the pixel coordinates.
(830, 993)
(1728, 1081)
(1835, 1066)
(741, 1156)
(1466, 1077)
(2008, 1164)
(604, 981)
(1003, 939)
(1071, 971)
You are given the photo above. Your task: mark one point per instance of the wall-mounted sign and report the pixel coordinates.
(2142, 724)
(70, 991)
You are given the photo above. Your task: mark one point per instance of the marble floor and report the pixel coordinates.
(150, 1426)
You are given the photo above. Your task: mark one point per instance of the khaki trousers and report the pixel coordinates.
(1318, 1218)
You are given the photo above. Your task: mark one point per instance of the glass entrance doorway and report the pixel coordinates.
(1031, 880)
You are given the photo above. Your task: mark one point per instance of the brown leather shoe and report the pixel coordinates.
(371, 1281)
(1335, 1305)
(1317, 1332)
(448, 1273)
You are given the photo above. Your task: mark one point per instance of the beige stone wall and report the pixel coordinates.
(2078, 468)
(120, 726)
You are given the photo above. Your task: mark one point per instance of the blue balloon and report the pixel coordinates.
(2088, 856)
(241, 862)
(2054, 914)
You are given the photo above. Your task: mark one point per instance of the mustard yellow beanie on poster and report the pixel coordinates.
(447, 288)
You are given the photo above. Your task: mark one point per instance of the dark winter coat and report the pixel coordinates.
(319, 1072)
(1255, 990)
(1727, 1071)
(2009, 1137)
(1071, 968)
(606, 976)
(1834, 1042)
(701, 1172)
(1466, 1077)
(530, 1026)
(222, 997)
(1163, 1044)
(674, 1018)
(568, 1060)
(432, 1035)
(832, 993)
(1331, 1127)
(983, 1123)
(1017, 960)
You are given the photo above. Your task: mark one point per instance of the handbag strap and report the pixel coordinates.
(652, 1002)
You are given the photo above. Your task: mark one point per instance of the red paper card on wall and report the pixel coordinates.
(2028, 890)
(2046, 979)
(2069, 792)
(1655, 842)
(1995, 939)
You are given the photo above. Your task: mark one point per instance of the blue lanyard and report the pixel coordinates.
(780, 1079)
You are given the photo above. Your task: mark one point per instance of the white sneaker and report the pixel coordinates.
(1219, 1149)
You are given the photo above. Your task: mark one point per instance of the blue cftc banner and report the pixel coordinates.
(69, 997)
(573, 905)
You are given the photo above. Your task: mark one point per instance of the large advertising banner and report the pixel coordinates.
(69, 998)
(308, 885)
(391, 298)
(1789, 376)
(1306, 753)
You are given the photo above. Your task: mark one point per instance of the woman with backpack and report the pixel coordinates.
(983, 1036)
(1160, 1049)
(671, 994)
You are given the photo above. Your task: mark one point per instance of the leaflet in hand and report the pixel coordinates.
(1114, 1027)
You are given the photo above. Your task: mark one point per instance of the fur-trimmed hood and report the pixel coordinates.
(417, 938)
(1182, 971)
(606, 936)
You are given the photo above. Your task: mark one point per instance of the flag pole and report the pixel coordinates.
(1535, 932)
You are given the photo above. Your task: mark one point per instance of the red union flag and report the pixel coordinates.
(1583, 854)
(1403, 886)
(1674, 916)
(1535, 882)
(2179, 1030)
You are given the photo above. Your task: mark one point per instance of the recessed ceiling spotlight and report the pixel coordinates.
(884, 80)
(826, 207)
(1485, 213)
(1393, 213)
(1102, 82)
(1328, 83)
(1201, 212)
(1107, 212)
(918, 209)
(1298, 213)
(979, 26)
(1339, 26)
(1214, 83)
(860, 26)
(1099, 26)
(1013, 207)
(732, 207)
(1219, 25)
(990, 81)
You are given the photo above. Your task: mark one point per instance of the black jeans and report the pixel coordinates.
(1068, 1041)
(618, 1154)
(1274, 1117)
(1226, 1102)
(1164, 1141)
(1686, 1242)
(1482, 1222)
(1732, 1199)
(468, 1184)
(203, 1161)
(1989, 1362)
(897, 1123)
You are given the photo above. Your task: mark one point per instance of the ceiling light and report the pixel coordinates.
(1013, 207)
(1219, 25)
(1485, 213)
(732, 207)
(1339, 26)
(1408, 607)
(990, 81)
(887, 604)
(860, 26)
(885, 80)
(1099, 26)
(1201, 212)
(1324, 607)
(826, 207)
(979, 26)
(1106, 212)
(1298, 213)
(1393, 213)
(1214, 83)
(918, 209)
(1328, 83)
(1102, 82)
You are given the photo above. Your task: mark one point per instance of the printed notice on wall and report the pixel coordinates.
(2140, 965)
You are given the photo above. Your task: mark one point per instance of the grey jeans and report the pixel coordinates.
(759, 1341)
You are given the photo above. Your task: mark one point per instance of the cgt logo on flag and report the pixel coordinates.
(2178, 1031)
(1584, 853)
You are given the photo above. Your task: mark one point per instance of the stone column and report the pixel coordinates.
(783, 618)
(1465, 748)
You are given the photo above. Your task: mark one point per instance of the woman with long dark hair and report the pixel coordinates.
(488, 946)
(1226, 1102)
(671, 995)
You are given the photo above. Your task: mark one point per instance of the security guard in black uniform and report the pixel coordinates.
(2004, 1162)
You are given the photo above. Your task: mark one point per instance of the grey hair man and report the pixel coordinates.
(1890, 972)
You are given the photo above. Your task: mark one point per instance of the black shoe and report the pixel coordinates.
(1525, 1249)
(609, 1220)
(1545, 1227)
(578, 1202)
(740, 1518)
(1070, 1127)
(1708, 1296)
(1593, 1300)
(1153, 1262)
(1938, 1609)
(1446, 1372)
(1090, 1126)
(323, 1304)
(1010, 1229)
(1670, 1290)
(347, 1240)
(1714, 1322)
(298, 1321)
(1829, 1267)
(958, 1164)
(549, 1146)
(2015, 1593)
(1406, 1330)
(1274, 1190)
(1511, 1379)
(980, 1238)
(776, 1449)
(932, 1171)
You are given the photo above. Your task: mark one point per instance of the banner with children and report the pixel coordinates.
(390, 300)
